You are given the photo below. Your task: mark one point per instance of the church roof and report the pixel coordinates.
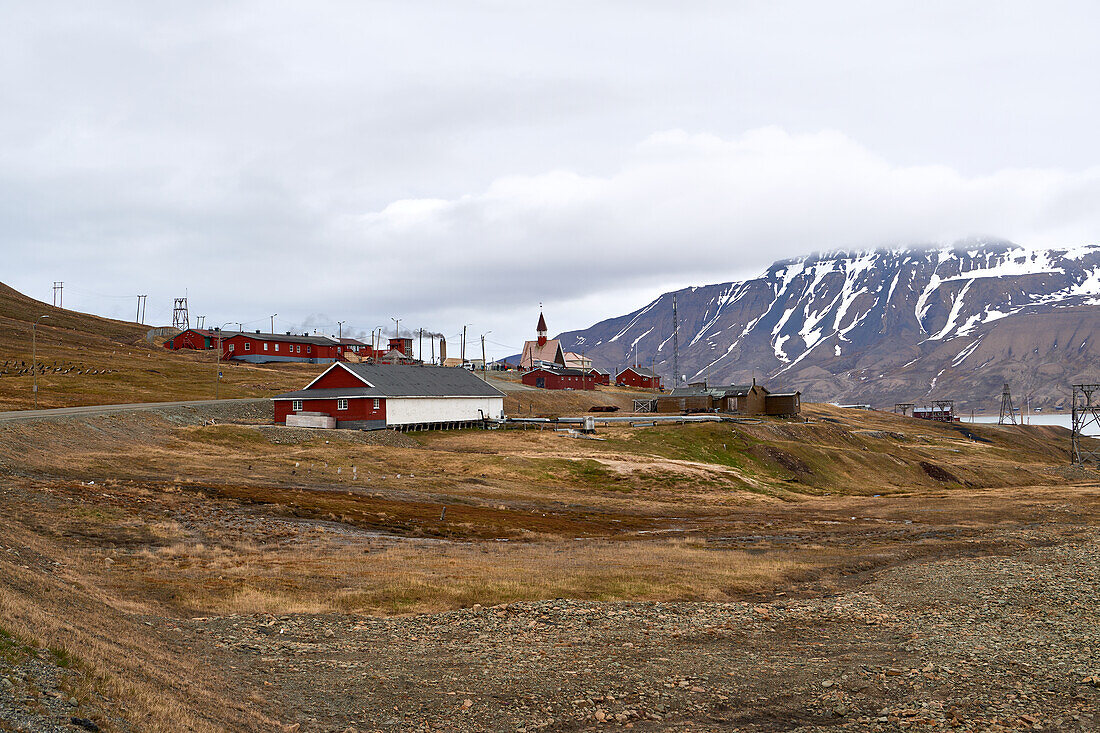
(542, 324)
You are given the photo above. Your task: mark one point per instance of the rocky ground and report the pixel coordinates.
(988, 643)
(41, 690)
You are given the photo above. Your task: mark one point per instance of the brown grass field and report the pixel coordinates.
(114, 529)
(110, 362)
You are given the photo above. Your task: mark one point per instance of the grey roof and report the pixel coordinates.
(721, 390)
(405, 380)
(560, 371)
(641, 371)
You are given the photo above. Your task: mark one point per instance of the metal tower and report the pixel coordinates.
(1008, 414)
(1086, 412)
(675, 345)
(180, 319)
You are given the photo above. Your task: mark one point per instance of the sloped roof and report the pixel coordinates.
(550, 351)
(721, 390)
(562, 371)
(404, 380)
(542, 324)
(641, 371)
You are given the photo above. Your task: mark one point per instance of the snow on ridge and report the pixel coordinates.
(956, 306)
(634, 320)
(966, 352)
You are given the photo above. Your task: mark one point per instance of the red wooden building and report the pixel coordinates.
(262, 348)
(636, 376)
(559, 378)
(601, 376)
(373, 396)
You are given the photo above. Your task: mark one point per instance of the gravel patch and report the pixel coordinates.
(977, 644)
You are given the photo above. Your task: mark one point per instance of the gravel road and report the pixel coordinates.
(212, 406)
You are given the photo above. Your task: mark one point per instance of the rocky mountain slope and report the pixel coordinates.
(904, 324)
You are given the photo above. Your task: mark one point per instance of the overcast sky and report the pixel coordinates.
(455, 162)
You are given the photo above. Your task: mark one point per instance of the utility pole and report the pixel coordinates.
(341, 325)
(463, 349)
(144, 299)
(218, 371)
(420, 350)
(675, 345)
(58, 293)
(200, 321)
(273, 323)
(34, 358)
(432, 341)
(484, 364)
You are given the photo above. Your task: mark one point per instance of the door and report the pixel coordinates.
(540, 382)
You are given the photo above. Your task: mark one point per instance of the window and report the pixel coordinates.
(276, 347)
(296, 405)
(309, 349)
(232, 348)
(341, 404)
(265, 347)
(376, 404)
(248, 346)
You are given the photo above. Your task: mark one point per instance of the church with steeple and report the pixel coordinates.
(542, 350)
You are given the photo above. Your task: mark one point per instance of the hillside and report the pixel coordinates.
(85, 360)
(159, 572)
(893, 325)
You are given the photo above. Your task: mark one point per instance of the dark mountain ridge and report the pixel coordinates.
(900, 324)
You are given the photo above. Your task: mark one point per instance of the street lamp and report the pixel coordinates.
(34, 357)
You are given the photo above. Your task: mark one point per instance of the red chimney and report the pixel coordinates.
(542, 330)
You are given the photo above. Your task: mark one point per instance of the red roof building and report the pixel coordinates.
(541, 351)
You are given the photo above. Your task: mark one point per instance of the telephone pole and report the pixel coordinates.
(484, 364)
(463, 349)
(341, 325)
(34, 357)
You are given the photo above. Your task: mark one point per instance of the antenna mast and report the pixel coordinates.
(675, 345)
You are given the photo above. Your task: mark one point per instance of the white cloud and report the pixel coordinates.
(455, 163)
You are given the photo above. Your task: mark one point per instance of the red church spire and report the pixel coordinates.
(541, 329)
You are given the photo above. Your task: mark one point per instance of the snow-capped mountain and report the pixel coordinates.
(901, 324)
